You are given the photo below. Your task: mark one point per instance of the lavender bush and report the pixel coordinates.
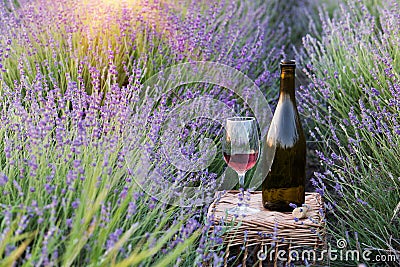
(353, 103)
(70, 84)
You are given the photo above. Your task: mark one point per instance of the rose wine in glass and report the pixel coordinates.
(241, 162)
(241, 147)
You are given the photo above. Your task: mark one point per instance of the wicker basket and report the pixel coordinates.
(270, 229)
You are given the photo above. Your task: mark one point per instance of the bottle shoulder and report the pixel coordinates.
(285, 129)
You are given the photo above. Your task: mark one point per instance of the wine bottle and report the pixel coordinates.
(285, 181)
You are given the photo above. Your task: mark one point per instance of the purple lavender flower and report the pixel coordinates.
(3, 179)
(69, 75)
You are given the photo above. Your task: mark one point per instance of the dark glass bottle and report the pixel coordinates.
(285, 181)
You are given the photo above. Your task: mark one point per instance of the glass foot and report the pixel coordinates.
(242, 210)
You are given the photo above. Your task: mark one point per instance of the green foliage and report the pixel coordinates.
(353, 102)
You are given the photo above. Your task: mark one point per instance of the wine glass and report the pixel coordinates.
(241, 147)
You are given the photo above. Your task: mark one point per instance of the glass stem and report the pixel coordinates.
(241, 179)
(241, 188)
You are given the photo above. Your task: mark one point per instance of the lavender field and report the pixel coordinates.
(76, 118)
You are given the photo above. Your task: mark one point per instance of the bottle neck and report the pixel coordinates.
(287, 84)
